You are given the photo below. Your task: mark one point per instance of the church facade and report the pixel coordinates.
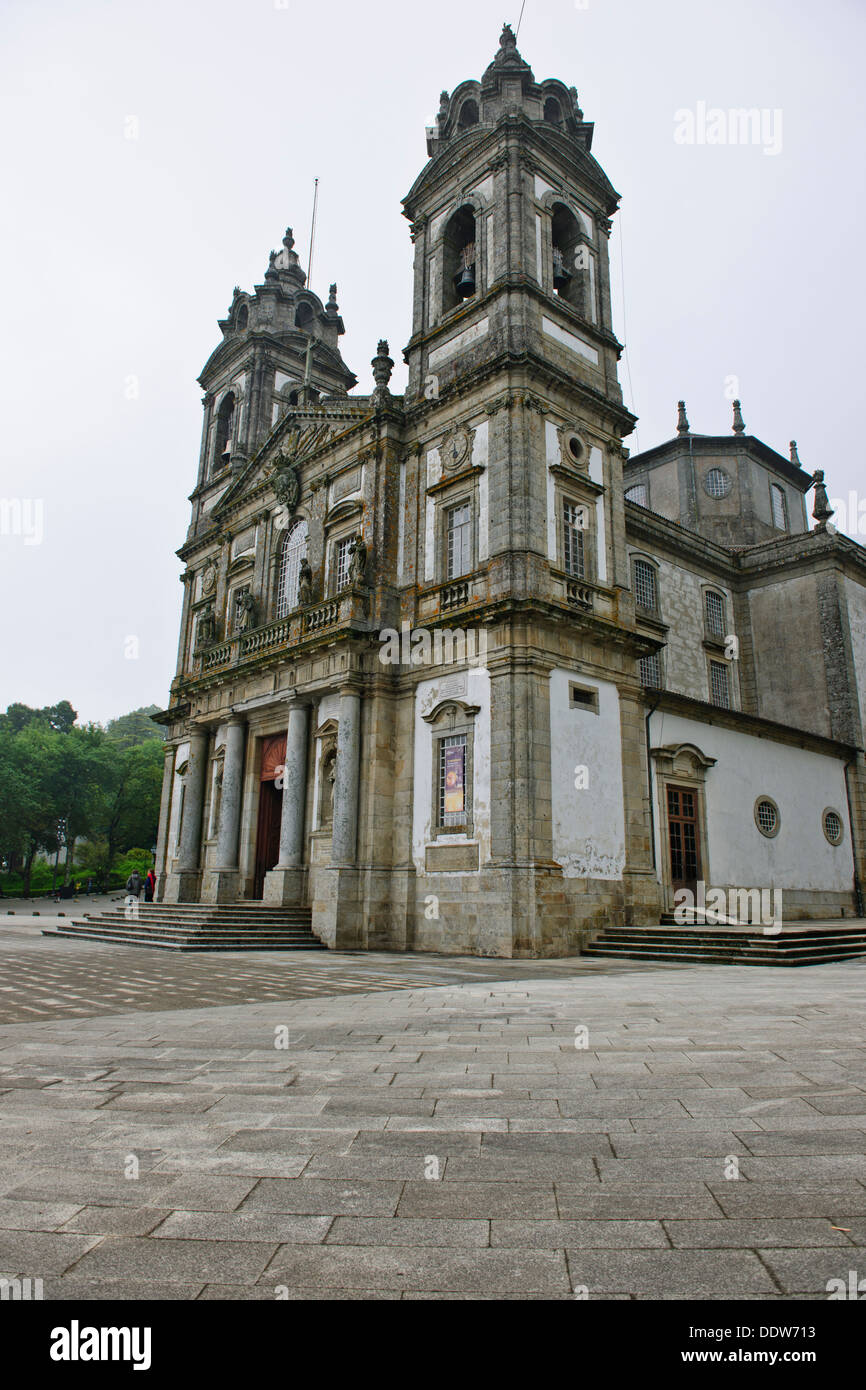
(455, 671)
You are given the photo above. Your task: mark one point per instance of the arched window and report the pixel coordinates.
(569, 275)
(292, 552)
(552, 111)
(468, 114)
(459, 264)
(303, 316)
(243, 318)
(225, 427)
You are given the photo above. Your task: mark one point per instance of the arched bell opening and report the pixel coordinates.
(243, 318)
(553, 111)
(459, 280)
(303, 316)
(468, 114)
(567, 242)
(225, 427)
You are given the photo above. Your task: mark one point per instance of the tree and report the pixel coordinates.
(135, 727)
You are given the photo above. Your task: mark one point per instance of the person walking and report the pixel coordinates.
(133, 885)
(149, 886)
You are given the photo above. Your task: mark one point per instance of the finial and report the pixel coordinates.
(822, 511)
(578, 114)
(382, 366)
(682, 418)
(332, 307)
(795, 457)
(442, 115)
(738, 426)
(506, 38)
(288, 239)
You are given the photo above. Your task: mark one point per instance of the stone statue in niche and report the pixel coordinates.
(305, 583)
(329, 775)
(245, 611)
(206, 633)
(358, 562)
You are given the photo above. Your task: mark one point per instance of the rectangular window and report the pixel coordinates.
(342, 560)
(458, 537)
(452, 780)
(720, 685)
(573, 530)
(645, 592)
(651, 671)
(714, 609)
(780, 507)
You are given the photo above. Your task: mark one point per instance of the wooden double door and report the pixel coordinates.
(270, 810)
(684, 837)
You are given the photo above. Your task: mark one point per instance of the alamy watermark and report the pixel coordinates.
(23, 516)
(741, 125)
(441, 646)
(736, 906)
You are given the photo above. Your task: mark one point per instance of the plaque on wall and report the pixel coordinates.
(451, 859)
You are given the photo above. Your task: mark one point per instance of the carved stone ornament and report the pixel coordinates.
(208, 580)
(358, 561)
(305, 583)
(206, 633)
(287, 483)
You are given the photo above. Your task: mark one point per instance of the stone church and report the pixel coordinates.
(456, 672)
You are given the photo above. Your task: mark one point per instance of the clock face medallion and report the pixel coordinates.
(456, 449)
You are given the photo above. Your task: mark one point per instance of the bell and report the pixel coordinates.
(464, 281)
(561, 273)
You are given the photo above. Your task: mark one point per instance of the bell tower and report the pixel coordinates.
(510, 220)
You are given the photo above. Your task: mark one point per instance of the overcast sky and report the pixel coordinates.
(153, 153)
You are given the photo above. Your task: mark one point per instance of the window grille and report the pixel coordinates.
(714, 608)
(573, 529)
(645, 592)
(780, 507)
(720, 685)
(458, 541)
(651, 671)
(292, 552)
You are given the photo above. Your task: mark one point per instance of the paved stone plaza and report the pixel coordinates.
(310, 1170)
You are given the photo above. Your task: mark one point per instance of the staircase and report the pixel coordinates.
(795, 945)
(198, 927)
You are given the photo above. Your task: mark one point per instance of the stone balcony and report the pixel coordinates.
(344, 611)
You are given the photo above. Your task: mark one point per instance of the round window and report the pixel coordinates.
(833, 828)
(575, 447)
(718, 483)
(767, 816)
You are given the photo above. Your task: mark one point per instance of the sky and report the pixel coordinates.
(153, 154)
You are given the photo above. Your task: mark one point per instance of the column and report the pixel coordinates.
(161, 868)
(221, 883)
(345, 833)
(285, 884)
(184, 883)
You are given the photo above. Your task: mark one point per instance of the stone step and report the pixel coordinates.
(193, 943)
(689, 945)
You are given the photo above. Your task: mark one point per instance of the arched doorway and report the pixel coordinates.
(270, 809)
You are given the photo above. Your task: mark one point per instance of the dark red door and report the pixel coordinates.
(683, 831)
(268, 836)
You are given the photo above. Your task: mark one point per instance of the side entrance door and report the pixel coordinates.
(270, 811)
(684, 838)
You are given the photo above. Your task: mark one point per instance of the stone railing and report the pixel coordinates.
(220, 655)
(579, 594)
(454, 595)
(323, 615)
(262, 639)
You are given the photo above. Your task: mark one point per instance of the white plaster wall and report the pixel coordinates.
(588, 823)
(802, 784)
(552, 456)
(434, 473)
(569, 340)
(401, 522)
(480, 454)
(473, 688)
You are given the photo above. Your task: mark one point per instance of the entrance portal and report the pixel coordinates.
(270, 811)
(684, 838)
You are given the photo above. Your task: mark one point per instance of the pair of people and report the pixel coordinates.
(134, 885)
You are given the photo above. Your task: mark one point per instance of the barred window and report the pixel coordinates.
(780, 507)
(714, 609)
(651, 671)
(458, 541)
(452, 780)
(573, 529)
(717, 483)
(342, 561)
(767, 816)
(833, 827)
(639, 494)
(292, 552)
(720, 685)
(645, 592)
